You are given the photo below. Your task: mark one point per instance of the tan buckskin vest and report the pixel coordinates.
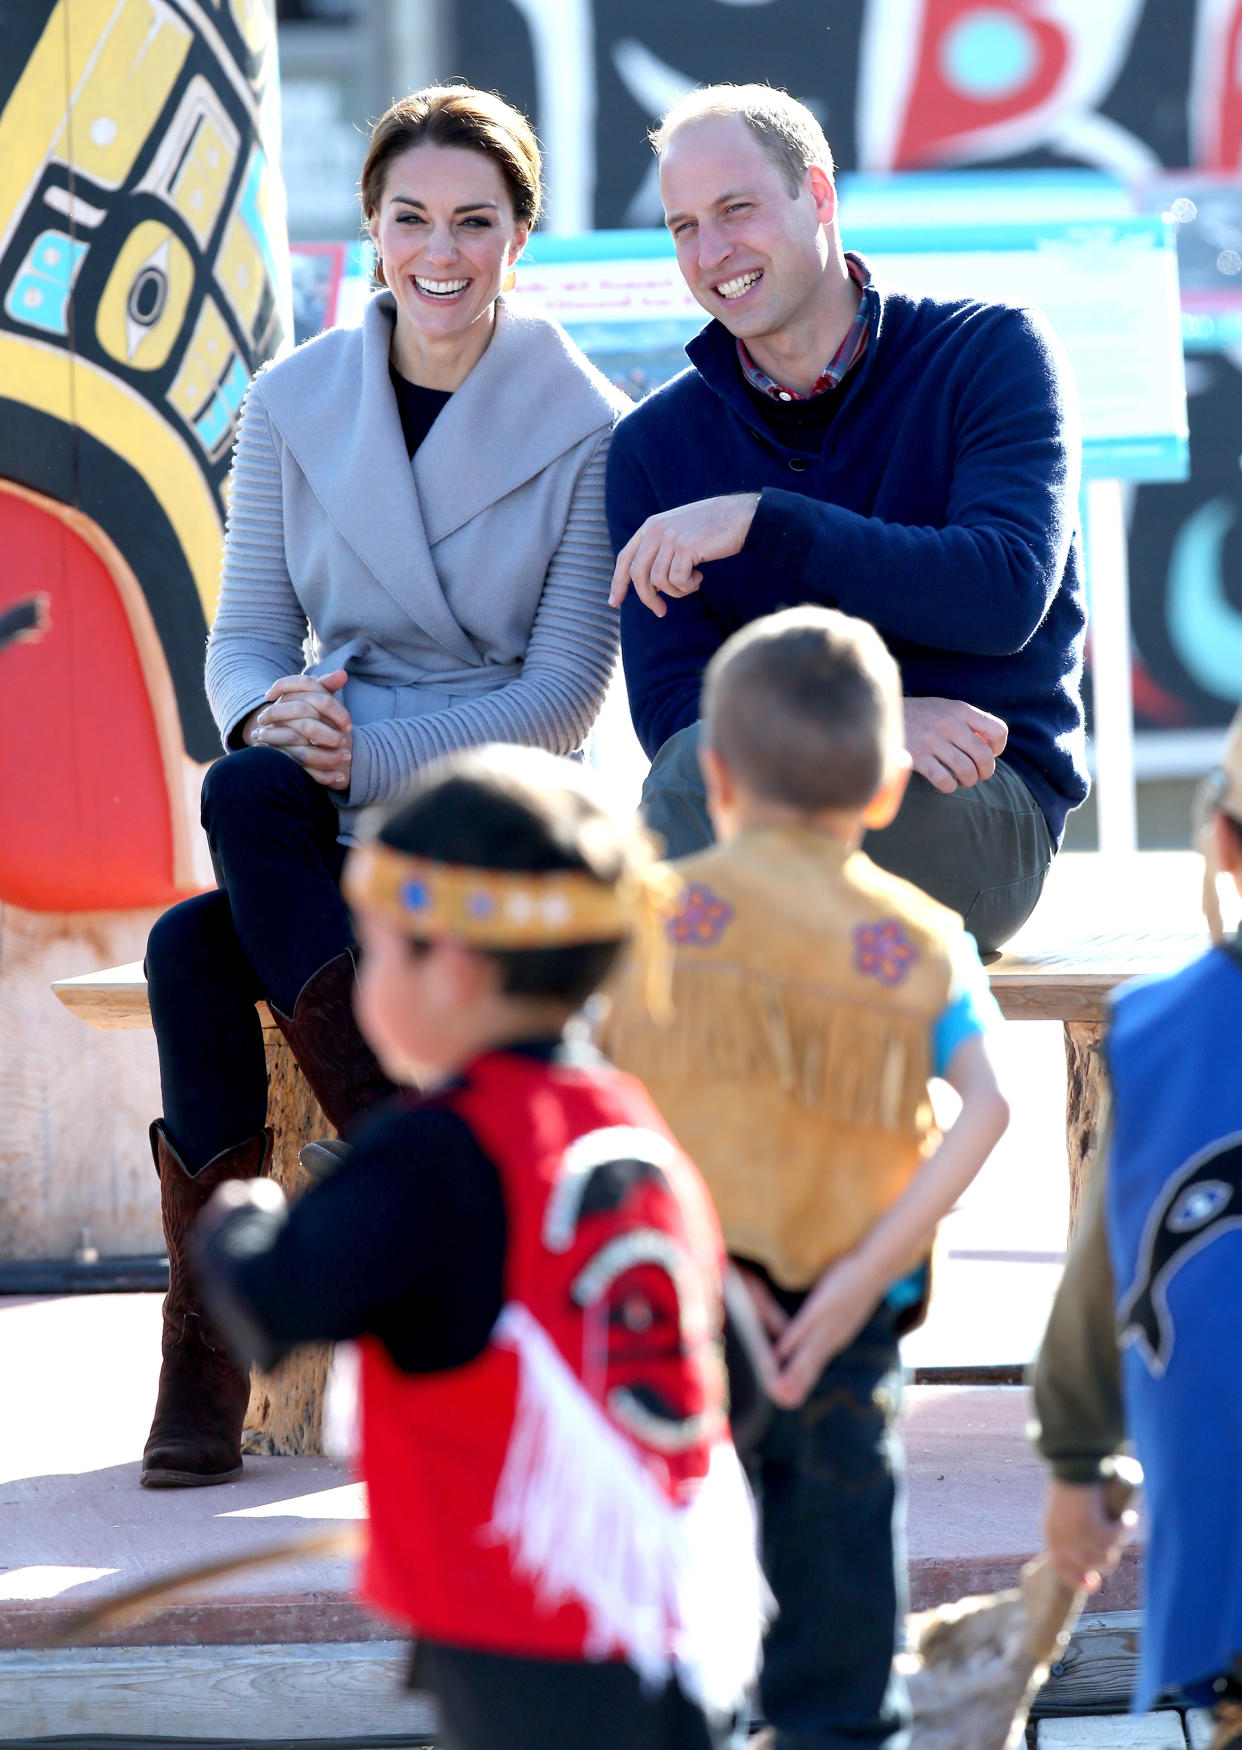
(806, 985)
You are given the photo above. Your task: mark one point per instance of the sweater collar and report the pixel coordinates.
(713, 353)
(531, 397)
(847, 355)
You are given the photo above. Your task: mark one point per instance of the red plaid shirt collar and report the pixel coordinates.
(839, 365)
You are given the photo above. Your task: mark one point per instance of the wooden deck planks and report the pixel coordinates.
(247, 1694)
(1158, 1731)
(1098, 1668)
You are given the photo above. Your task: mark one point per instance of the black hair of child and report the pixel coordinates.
(520, 811)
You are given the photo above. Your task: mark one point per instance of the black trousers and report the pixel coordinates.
(276, 917)
(984, 851)
(489, 1702)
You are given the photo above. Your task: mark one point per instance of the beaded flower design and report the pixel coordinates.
(702, 920)
(884, 951)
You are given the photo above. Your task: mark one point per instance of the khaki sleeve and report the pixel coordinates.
(1079, 1422)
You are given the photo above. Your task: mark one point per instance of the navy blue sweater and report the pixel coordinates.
(941, 507)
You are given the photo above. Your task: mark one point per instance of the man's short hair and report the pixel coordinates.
(785, 128)
(804, 706)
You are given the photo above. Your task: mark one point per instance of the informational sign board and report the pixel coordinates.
(1108, 285)
(1069, 242)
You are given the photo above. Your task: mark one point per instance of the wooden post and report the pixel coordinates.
(76, 1105)
(285, 1416)
(1084, 1086)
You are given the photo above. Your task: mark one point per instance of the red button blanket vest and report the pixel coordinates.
(573, 1492)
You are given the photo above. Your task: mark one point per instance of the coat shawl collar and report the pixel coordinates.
(530, 398)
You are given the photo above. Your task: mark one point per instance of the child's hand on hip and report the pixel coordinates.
(1083, 1542)
(832, 1314)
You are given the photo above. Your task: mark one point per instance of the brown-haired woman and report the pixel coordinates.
(417, 561)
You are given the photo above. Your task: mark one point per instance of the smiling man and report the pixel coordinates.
(838, 441)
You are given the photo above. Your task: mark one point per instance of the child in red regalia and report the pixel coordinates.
(534, 1271)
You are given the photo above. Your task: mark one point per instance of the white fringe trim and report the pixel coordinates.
(341, 1423)
(670, 1588)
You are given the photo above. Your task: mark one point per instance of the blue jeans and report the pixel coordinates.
(828, 1478)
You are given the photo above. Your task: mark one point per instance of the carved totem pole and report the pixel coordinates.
(143, 280)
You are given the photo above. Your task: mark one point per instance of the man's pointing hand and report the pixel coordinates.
(663, 557)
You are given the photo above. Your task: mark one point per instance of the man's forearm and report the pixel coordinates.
(980, 589)
(1079, 1420)
(974, 575)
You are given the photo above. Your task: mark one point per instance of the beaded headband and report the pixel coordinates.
(489, 908)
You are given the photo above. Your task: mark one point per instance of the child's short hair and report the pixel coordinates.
(517, 810)
(805, 707)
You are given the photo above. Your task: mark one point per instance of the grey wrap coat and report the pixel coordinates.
(464, 593)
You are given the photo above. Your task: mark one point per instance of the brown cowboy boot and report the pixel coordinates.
(195, 1437)
(336, 1060)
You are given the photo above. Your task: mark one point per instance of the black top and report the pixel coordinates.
(418, 408)
(405, 1241)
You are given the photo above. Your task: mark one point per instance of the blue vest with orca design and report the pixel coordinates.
(1174, 1214)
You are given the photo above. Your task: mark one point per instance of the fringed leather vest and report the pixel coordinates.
(806, 986)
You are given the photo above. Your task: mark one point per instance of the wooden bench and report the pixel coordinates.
(1062, 966)
(1099, 922)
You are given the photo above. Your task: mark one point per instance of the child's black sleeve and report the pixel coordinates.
(404, 1241)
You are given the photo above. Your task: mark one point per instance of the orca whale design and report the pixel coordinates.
(1200, 1202)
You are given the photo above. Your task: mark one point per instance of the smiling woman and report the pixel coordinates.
(418, 504)
(450, 189)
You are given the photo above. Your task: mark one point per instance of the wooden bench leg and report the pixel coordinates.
(1084, 1088)
(285, 1416)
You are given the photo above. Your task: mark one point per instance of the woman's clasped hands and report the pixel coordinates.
(304, 718)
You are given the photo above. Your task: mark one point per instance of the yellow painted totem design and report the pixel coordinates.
(143, 280)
